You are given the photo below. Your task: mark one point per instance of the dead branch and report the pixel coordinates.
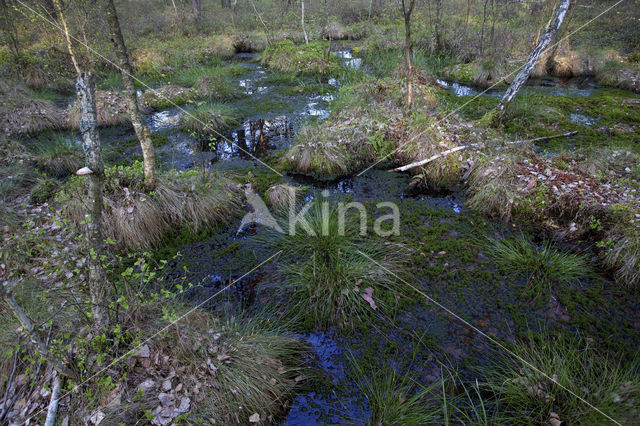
(31, 331)
(53, 403)
(473, 145)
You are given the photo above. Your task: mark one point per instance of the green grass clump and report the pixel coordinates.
(312, 58)
(542, 266)
(211, 82)
(209, 119)
(43, 191)
(58, 155)
(328, 274)
(573, 373)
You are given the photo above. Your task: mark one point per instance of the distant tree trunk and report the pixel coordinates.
(484, 21)
(225, 3)
(196, 8)
(438, 26)
(304, 31)
(406, 12)
(534, 56)
(142, 131)
(85, 88)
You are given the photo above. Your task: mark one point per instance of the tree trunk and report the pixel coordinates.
(438, 26)
(407, 49)
(142, 131)
(534, 56)
(196, 8)
(86, 90)
(304, 31)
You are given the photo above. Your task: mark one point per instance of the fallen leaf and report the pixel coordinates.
(367, 295)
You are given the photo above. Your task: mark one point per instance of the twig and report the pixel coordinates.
(53, 403)
(35, 338)
(460, 148)
(5, 407)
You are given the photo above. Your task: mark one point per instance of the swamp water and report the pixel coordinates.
(417, 338)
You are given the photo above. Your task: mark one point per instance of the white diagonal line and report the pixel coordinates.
(131, 351)
(440, 120)
(54, 24)
(489, 337)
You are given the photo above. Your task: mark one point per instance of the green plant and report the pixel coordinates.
(557, 374)
(43, 190)
(542, 266)
(332, 279)
(209, 119)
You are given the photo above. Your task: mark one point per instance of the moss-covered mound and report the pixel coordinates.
(312, 58)
(133, 218)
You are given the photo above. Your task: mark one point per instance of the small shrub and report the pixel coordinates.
(43, 191)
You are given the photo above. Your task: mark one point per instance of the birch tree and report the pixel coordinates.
(534, 56)
(142, 131)
(86, 91)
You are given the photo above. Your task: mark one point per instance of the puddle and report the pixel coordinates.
(542, 87)
(584, 120)
(349, 60)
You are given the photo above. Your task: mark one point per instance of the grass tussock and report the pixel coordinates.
(241, 368)
(543, 266)
(209, 119)
(622, 253)
(59, 156)
(43, 191)
(283, 197)
(330, 282)
(312, 58)
(135, 219)
(167, 97)
(575, 371)
(111, 108)
(22, 113)
(157, 58)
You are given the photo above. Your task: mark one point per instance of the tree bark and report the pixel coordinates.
(304, 31)
(86, 90)
(142, 131)
(534, 56)
(408, 49)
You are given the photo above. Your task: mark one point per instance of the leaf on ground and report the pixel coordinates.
(367, 295)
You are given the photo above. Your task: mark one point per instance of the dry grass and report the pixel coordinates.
(334, 31)
(623, 255)
(111, 108)
(167, 97)
(21, 112)
(136, 219)
(282, 197)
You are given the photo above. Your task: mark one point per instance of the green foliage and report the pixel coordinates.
(329, 271)
(558, 373)
(542, 266)
(43, 190)
(312, 58)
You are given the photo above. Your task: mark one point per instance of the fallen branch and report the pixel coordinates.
(31, 331)
(473, 145)
(53, 403)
